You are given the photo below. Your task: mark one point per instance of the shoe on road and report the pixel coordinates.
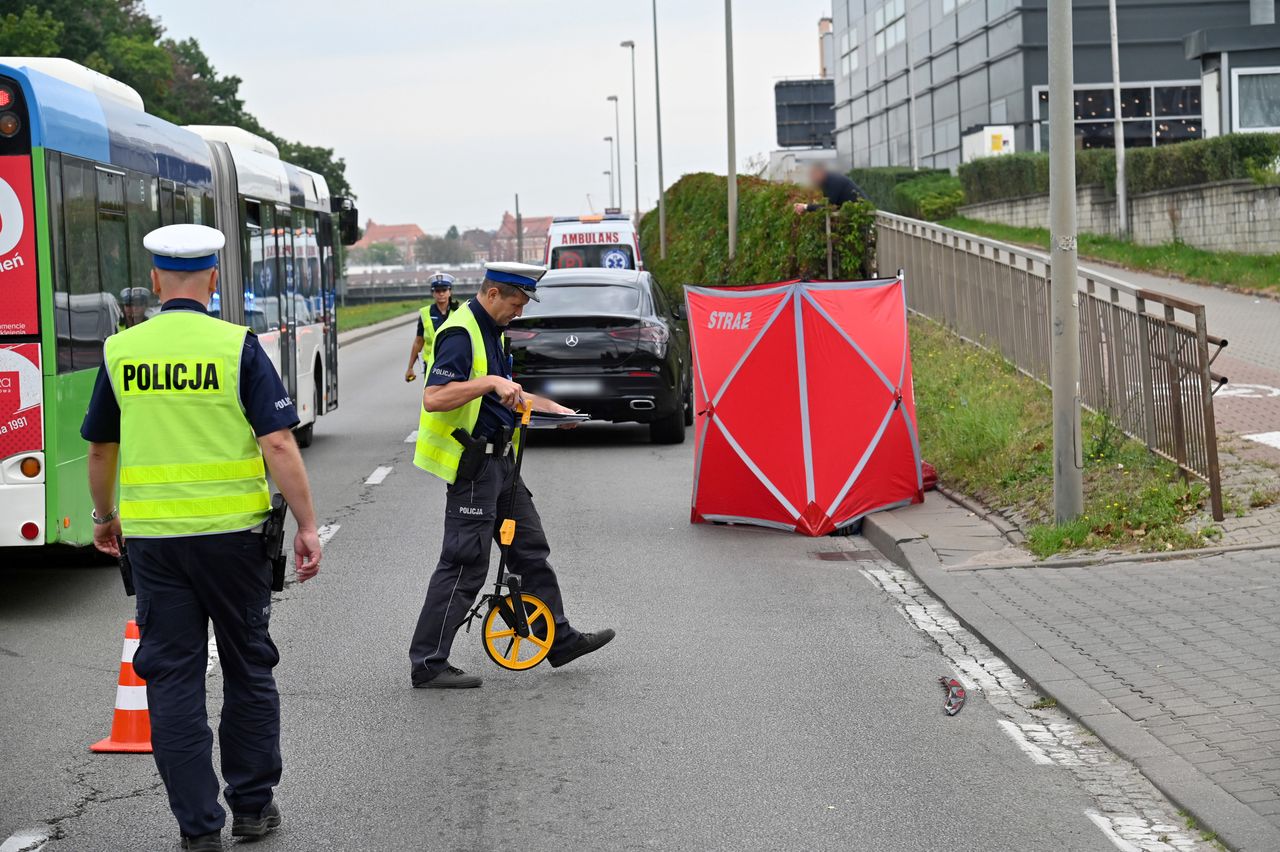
(451, 678)
(243, 825)
(203, 843)
(584, 644)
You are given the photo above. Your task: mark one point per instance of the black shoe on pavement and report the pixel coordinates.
(256, 826)
(203, 843)
(451, 678)
(584, 644)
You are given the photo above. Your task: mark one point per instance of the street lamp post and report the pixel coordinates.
(617, 131)
(733, 156)
(1064, 372)
(609, 139)
(657, 101)
(635, 136)
(1122, 200)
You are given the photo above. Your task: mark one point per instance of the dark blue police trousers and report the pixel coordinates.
(472, 509)
(182, 584)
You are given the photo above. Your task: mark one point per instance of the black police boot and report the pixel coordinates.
(203, 843)
(243, 825)
(451, 678)
(584, 644)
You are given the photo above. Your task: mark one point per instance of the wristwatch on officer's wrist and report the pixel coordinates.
(111, 516)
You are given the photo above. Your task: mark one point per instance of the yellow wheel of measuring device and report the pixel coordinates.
(514, 652)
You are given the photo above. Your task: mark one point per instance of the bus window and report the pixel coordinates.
(180, 206)
(113, 249)
(92, 314)
(61, 301)
(166, 202)
(142, 208)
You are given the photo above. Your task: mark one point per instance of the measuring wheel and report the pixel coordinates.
(510, 650)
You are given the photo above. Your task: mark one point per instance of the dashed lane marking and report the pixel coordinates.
(27, 840)
(1271, 439)
(1127, 808)
(412, 437)
(379, 473)
(1032, 750)
(327, 532)
(213, 656)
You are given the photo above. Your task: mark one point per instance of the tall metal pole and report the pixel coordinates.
(733, 154)
(609, 139)
(635, 137)
(617, 134)
(657, 101)
(1122, 191)
(519, 232)
(1064, 376)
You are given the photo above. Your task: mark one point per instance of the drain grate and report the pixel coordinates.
(847, 555)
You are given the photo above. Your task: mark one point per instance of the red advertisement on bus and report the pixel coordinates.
(21, 395)
(19, 291)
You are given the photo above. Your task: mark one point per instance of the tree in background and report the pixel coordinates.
(175, 78)
(376, 254)
(452, 233)
(433, 249)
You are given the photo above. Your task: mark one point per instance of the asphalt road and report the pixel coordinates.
(756, 697)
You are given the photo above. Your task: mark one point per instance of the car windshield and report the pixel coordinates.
(586, 298)
(603, 257)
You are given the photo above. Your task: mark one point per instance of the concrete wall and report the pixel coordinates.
(1238, 216)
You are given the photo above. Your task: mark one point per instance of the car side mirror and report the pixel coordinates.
(680, 312)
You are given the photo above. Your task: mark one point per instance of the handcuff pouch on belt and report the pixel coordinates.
(476, 450)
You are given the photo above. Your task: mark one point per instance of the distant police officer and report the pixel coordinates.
(429, 320)
(189, 406)
(469, 386)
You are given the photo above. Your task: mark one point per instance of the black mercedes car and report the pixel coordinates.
(609, 343)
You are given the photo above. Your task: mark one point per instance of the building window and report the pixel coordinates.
(1153, 115)
(890, 24)
(1257, 99)
(849, 52)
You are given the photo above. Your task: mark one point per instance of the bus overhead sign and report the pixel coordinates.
(19, 296)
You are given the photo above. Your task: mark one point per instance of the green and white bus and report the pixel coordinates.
(85, 173)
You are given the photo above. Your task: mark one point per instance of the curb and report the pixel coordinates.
(1236, 824)
(365, 332)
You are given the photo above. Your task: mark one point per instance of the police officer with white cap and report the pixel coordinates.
(469, 387)
(194, 415)
(430, 318)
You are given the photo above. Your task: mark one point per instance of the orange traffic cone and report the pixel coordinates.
(131, 727)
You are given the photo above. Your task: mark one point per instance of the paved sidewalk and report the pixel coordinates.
(1173, 664)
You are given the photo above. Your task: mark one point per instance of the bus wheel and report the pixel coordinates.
(304, 435)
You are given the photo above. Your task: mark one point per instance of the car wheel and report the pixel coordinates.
(688, 403)
(670, 429)
(304, 435)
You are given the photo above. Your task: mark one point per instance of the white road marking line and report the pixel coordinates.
(412, 438)
(327, 532)
(26, 840)
(1032, 750)
(1134, 810)
(379, 473)
(213, 655)
(1271, 439)
(1104, 825)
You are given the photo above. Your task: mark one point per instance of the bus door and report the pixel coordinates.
(287, 290)
(261, 305)
(329, 303)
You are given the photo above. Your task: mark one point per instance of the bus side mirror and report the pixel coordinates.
(348, 220)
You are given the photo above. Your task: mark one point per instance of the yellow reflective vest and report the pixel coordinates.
(437, 451)
(189, 461)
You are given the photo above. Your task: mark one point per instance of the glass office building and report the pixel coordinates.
(914, 76)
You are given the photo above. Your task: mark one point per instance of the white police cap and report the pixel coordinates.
(184, 247)
(522, 275)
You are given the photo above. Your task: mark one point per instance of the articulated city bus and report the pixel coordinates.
(85, 173)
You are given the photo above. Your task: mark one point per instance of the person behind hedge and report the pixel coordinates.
(836, 188)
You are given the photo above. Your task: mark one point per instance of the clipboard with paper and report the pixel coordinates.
(551, 420)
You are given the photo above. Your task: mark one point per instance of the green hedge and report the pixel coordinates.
(774, 243)
(1247, 156)
(879, 183)
(932, 197)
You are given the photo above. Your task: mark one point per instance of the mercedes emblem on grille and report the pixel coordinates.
(571, 340)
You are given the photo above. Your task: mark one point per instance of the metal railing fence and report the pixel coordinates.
(1146, 359)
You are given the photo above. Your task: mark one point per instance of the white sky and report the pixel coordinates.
(444, 110)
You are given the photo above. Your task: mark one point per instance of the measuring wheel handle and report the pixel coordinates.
(514, 616)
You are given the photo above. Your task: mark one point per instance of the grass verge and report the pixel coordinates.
(988, 430)
(1253, 273)
(357, 316)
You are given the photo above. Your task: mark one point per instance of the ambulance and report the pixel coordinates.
(607, 241)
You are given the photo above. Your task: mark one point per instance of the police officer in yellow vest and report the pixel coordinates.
(469, 387)
(193, 414)
(429, 319)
